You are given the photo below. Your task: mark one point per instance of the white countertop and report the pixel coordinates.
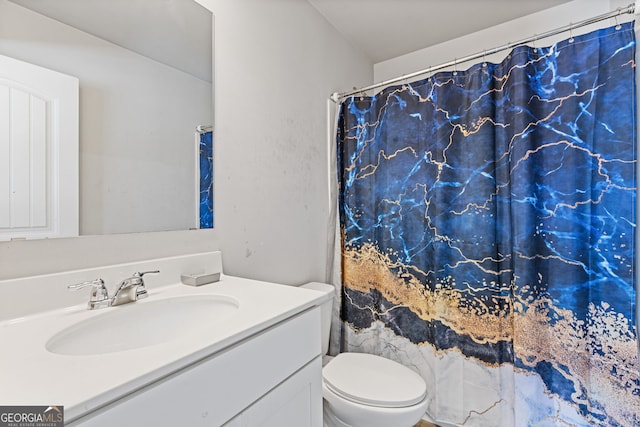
(31, 375)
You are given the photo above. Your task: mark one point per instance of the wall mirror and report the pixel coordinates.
(145, 82)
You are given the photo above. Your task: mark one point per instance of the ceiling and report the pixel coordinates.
(385, 29)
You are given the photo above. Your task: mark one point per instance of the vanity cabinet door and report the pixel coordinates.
(295, 403)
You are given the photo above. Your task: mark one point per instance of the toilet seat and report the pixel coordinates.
(372, 380)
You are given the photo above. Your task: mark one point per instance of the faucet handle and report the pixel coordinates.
(140, 274)
(141, 291)
(99, 294)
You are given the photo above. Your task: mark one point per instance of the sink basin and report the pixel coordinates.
(142, 324)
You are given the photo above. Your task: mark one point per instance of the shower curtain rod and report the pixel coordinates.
(337, 97)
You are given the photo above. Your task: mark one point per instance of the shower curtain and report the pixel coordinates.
(206, 179)
(487, 222)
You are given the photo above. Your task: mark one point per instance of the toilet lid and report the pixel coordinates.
(373, 380)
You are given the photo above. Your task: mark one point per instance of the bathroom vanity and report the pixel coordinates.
(236, 352)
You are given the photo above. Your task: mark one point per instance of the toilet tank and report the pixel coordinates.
(325, 310)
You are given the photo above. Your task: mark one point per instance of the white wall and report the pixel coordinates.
(500, 35)
(137, 124)
(276, 62)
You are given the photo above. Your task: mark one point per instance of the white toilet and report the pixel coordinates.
(364, 390)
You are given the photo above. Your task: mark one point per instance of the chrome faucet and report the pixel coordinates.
(129, 290)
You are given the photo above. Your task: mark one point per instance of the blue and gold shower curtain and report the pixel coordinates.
(206, 179)
(488, 223)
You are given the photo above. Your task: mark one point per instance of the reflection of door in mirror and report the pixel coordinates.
(38, 152)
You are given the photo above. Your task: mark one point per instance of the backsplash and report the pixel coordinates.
(30, 295)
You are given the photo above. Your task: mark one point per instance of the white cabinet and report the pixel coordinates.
(273, 378)
(291, 404)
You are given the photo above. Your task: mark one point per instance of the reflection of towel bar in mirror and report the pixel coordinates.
(147, 169)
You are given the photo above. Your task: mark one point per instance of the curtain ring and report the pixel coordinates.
(455, 66)
(535, 39)
(618, 26)
(484, 58)
(571, 39)
(407, 84)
